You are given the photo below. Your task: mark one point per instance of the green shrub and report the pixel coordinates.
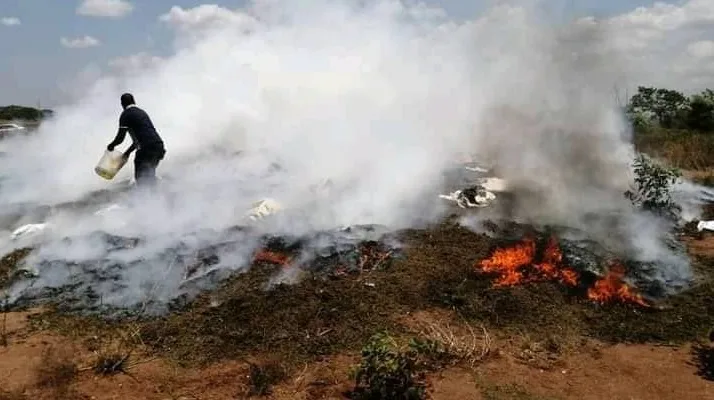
(388, 372)
(652, 188)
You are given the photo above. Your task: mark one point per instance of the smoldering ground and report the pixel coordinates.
(378, 97)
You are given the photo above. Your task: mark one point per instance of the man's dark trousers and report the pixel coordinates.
(145, 163)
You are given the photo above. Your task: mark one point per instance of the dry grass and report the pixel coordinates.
(543, 355)
(704, 177)
(509, 392)
(262, 377)
(471, 347)
(682, 149)
(113, 353)
(111, 363)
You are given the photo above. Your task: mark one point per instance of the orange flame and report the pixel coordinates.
(518, 265)
(509, 263)
(551, 266)
(272, 257)
(612, 288)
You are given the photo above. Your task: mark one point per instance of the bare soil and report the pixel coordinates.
(301, 341)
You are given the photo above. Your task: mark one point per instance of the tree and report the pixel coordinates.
(701, 115)
(701, 112)
(667, 107)
(21, 112)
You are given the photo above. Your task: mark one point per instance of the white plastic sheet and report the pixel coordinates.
(263, 208)
(708, 225)
(483, 198)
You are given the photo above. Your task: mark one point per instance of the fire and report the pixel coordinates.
(517, 265)
(612, 288)
(272, 257)
(521, 264)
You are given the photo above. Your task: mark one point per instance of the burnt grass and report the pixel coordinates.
(9, 264)
(323, 315)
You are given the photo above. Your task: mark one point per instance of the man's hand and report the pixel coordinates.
(121, 134)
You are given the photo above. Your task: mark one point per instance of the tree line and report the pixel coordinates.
(13, 112)
(652, 108)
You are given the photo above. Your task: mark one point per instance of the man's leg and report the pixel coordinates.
(145, 169)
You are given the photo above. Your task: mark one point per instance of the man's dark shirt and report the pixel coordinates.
(140, 127)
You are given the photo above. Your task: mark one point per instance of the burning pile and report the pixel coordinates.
(523, 263)
(272, 257)
(354, 249)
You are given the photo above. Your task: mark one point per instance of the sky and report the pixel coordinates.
(49, 47)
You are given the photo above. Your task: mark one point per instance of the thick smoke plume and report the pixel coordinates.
(378, 98)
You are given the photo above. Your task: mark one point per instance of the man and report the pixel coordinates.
(146, 141)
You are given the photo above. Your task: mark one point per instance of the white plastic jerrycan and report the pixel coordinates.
(110, 163)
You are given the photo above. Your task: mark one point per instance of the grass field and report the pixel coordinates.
(445, 329)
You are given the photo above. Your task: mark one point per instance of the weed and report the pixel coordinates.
(261, 378)
(3, 324)
(113, 351)
(704, 361)
(111, 363)
(388, 372)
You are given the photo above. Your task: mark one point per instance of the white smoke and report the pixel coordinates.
(378, 97)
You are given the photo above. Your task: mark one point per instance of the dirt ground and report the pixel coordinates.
(302, 341)
(601, 371)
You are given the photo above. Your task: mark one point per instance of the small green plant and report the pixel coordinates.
(431, 352)
(388, 372)
(652, 188)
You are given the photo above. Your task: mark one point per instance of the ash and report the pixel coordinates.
(105, 285)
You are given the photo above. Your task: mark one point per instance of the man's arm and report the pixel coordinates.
(121, 134)
(130, 150)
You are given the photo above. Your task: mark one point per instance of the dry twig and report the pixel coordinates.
(471, 348)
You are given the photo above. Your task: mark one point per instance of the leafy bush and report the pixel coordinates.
(652, 188)
(388, 372)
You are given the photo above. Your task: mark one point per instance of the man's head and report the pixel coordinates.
(127, 99)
